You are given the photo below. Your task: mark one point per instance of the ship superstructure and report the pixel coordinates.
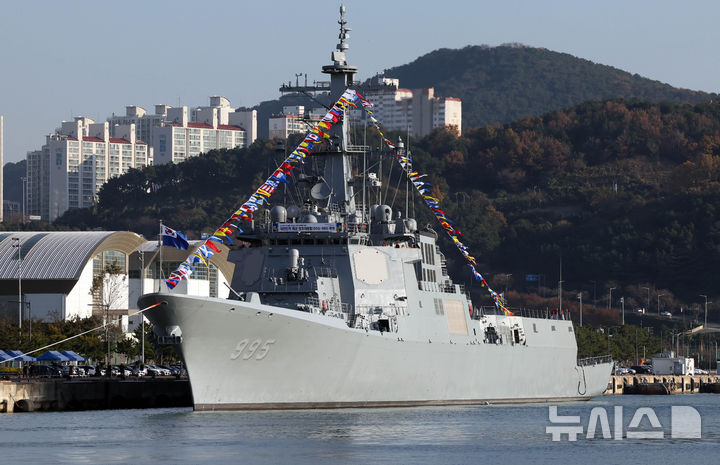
(338, 301)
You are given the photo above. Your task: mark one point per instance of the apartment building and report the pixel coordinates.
(418, 111)
(76, 161)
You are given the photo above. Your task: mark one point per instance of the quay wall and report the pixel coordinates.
(675, 384)
(34, 395)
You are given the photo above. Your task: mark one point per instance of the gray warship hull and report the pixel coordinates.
(244, 355)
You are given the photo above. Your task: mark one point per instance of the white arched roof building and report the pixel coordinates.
(57, 271)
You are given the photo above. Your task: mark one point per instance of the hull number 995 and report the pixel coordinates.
(247, 349)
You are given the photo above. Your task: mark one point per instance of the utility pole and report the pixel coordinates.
(610, 298)
(622, 301)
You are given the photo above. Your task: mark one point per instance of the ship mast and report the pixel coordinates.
(338, 168)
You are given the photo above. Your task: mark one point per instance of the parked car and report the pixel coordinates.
(624, 371)
(138, 371)
(89, 370)
(668, 314)
(125, 371)
(643, 369)
(157, 370)
(45, 371)
(700, 371)
(72, 371)
(180, 370)
(171, 370)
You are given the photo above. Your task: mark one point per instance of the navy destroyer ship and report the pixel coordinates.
(337, 302)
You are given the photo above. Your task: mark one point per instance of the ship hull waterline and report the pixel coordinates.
(250, 356)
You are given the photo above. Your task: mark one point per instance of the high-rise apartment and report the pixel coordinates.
(293, 120)
(218, 115)
(2, 163)
(418, 111)
(76, 161)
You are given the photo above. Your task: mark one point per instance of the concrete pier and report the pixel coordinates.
(619, 384)
(92, 394)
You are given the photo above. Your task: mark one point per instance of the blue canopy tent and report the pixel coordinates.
(52, 356)
(4, 356)
(21, 356)
(73, 356)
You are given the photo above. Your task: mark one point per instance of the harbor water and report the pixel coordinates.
(428, 435)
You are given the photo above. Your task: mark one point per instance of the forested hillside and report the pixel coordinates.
(624, 192)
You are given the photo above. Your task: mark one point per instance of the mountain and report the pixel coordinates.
(505, 83)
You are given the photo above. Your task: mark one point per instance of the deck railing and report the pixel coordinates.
(590, 361)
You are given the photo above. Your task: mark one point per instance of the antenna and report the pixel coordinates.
(342, 46)
(407, 177)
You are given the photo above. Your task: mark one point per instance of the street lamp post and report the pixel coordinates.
(579, 296)
(16, 244)
(560, 295)
(107, 338)
(608, 336)
(706, 304)
(24, 199)
(610, 298)
(622, 301)
(658, 299)
(142, 292)
(647, 307)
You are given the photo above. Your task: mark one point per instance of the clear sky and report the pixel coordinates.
(60, 59)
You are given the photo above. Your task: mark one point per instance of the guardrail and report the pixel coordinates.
(542, 314)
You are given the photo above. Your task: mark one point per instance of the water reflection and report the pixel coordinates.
(400, 435)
